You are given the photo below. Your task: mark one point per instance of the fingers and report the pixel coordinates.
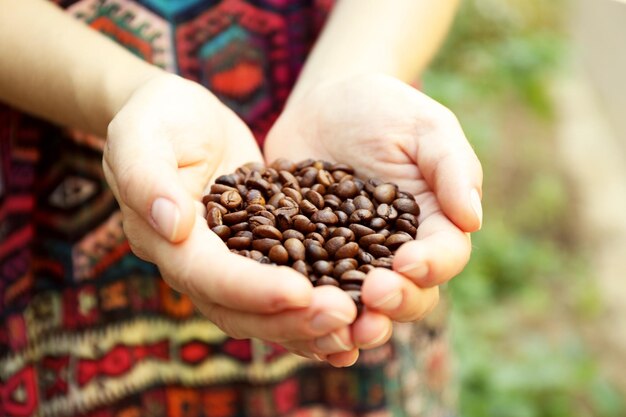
(329, 310)
(371, 329)
(203, 268)
(451, 168)
(439, 252)
(397, 296)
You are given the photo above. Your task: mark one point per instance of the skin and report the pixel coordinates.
(167, 138)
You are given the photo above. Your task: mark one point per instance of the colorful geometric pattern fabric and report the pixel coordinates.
(90, 329)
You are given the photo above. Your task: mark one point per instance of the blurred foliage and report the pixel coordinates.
(519, 302)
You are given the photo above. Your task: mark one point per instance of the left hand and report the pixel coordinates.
(388, 129)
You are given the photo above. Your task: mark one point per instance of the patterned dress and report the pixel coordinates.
(90, 329)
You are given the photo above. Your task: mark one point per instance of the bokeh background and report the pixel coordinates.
(539, 318)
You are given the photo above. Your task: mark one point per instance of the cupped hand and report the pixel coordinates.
(389, 130)
(165, 145)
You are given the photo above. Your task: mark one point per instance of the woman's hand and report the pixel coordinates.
(387, 129)
(168, 141)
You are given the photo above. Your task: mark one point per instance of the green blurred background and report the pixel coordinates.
(534, 329)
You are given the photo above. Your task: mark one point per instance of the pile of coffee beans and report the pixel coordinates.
(315, 216)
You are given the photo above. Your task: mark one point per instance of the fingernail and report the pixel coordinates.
(389, 302)
(166, 217)
(477, 206)
(375, 341)
(328, 321)
(318, 357)
(331, 343)
(417, 270)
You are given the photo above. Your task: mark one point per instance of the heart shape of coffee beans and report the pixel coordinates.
(315, 216)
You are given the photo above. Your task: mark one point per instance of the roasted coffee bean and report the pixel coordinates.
(356, 297)
(239, 242)
(243, 233)
(295, 248)
(323, 230)
(270, 174)
(326, 280)
(274, 189)
(342, 218)
(385, 232)
(221, 188)
(231, 199)
(371, 184)
(243, 190)
(360, 230)
(212, 204)
(385, 262)
(379, 251)
(255, 166)
(333, 244)
(315, 236)
(348, 206)
(255, 208)
(360, 216)
(244, 252)
(287, 211)
(364, 257)
(366, 268)
(324, 177)
(258, 183)
(265, 244)
(377, 223)
(214, 217)
(368, 240)
(283, 221)
(315, 252)
(338, 175)
(287, 202)
(347, 189)
(305, 163)
(404, 194)
(275, 199)
(279, 255)
(386, 212)
(344, 232)
(308, 177)
(303, 224)
(325, 216)
(265, 260)
(300, 266)
(315, 198)
(230, 180)
(256, 221)
(385, 193)
(349, 250)
(319, 188)
(349, 286)
(256, 255)
(211, 197)
(344, 265)
(283, 164)
(323, 268)
(267, 231)
(287, 179)
(222, 231)
(307, 207)
(292, 234)
(410, 217)
(332, 201)
(407, 205)
(353, 276)
(236, 217)
(342, 167)
(362, 202)
(236, 228)
(293, 194)
(396, 240)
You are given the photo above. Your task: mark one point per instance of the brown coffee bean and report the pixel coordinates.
(287, 179)
(293, 194)
(356, 297)
(385, 193)
(255, 208)
(256, 255)
(368, 240)
(353, 276)
(348, 206)
(275, 199)
(236, 217)
(406, 226)
(360, 230)
(325, 216)
(239, 242)
(366, 268)
(404, 194)
(315, 252)
(344, 232)
(342, 218)
(364, 257)
(344, 265)
(386, 212)
(305, 163)
(295, 248)
(265, 244)
(300, 266)
(258, 184)
(243, 233)
(396, 240)
(292, 234)
(231, 180)
(256, 221)
(283, 221)
(385, 262)
(319, 188)
(221, 188)
(349, 250)
(308, 177)
(332, 201)
(231, 199)
(323, 268)
(211, 197)
(377, 223)
(239, 227)
(315, 236)
(360, 216)
(385, 232)
(267, 231)
(265, 260)
(326, 280)
(315, 198)
(322, 229)
(362, 202)
(303, 224)
(222, 231)
(212, 204)
(307, 207)
(255, 166)
(333, 244)
(214, 217)
(283, 164)
(270, 174)
(347, 188)
(287, 211)
(338, 175)
(244, 252)
(242, 189)
(274, 189)
(279, 255)
(288, 202)
(342, 167)
(324, 178)
(350, 286)
(379, 251)
(407, 205)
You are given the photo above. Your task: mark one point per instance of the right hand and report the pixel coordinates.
(166, 144)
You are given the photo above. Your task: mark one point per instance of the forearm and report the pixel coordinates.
(58, 68)
(396, 38)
